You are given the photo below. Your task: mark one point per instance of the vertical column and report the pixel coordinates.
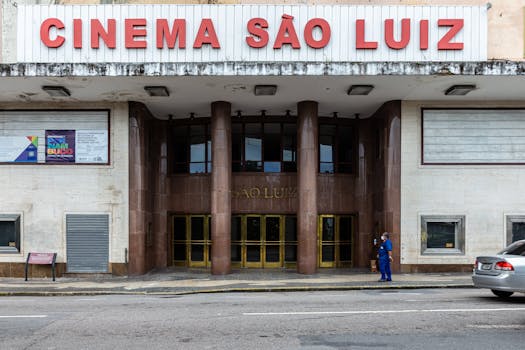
(221, 179)
(307, 157)
(137, 192)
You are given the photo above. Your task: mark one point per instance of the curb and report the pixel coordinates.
(228, 290)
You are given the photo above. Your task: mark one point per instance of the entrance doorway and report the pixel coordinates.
(191, 240)
(264, 241)
(335, 237)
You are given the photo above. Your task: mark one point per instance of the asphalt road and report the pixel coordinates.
(372, 319)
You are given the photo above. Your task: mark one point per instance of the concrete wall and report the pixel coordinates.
(44, 194)
(483, 194)
(505, 20)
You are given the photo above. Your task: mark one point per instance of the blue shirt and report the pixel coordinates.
(384, 248)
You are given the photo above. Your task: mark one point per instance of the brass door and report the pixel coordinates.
(191, 240)
(335, 234)
(258, 241)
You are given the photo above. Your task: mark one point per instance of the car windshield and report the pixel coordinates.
(516, 248)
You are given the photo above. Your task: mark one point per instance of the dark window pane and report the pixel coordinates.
(253, 228)
(179, 252)
(236, 166)
(290, 252)
(7, 233)
(253, 166)
(272, 142)
(272, 253)
(180, 150)
(518, 231)
(290, 167)
(236, 142)
(344, 145)
(328, 229)
(236, 228)
(253, 129)
(327, 129)
(290, 229)
(236, 253)
(344, 168)
(253, 253)
(441, 235)
(328, 252)
(197, 228)
(273, 229)
(345, 252)
(179, 229)
(197, 130)
(345, 228)
(197, 252)
(180, 168)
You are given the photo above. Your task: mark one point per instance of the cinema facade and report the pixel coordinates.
(224, 137)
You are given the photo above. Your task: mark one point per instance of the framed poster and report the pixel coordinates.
(60, 146)
(18, 149)
(91, 146)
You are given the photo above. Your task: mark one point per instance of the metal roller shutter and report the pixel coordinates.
(87, 243)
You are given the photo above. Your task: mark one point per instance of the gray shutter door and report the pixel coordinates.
(87, 239)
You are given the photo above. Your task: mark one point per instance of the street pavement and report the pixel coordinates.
(178, 281)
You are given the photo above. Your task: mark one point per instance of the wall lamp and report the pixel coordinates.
(360, 89)
(459, 90)
(157, 90)
(56, 91)
(265, 90)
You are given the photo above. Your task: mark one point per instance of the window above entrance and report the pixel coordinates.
(269, 147)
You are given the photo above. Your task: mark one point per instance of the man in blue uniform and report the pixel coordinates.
(385, 257)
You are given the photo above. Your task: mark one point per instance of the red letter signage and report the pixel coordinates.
(209, 38)
(325, 31)
(97, 31)
(131, 31)
(178, 31)
(286, 34)
(444, 43)
(44, 32)
(389, 34)
(360, 42)
(256, 27)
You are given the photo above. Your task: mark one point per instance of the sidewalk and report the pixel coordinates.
(186, 281)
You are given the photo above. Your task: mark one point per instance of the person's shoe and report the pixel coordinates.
(389, 280)
(381, 280)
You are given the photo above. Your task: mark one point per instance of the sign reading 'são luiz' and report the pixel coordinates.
(254, 33)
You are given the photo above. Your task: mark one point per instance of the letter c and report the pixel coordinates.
(44, 32)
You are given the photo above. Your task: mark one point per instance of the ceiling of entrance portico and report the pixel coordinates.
(194, 94)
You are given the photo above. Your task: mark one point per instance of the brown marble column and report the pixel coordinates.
(137, 192)
(221, 182)
(307, 164)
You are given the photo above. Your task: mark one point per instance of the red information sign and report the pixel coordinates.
(41, 258)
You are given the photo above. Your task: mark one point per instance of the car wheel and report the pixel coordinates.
(501, 293)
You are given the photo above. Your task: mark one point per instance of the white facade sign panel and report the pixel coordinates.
(474, 136)
(250, 33)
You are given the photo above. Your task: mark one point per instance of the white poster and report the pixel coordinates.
(18, 149)
(91, 146)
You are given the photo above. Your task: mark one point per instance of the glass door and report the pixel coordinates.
(272, 241)
(335, 234)
(253, 242)
(327, 241)
(199, 243)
